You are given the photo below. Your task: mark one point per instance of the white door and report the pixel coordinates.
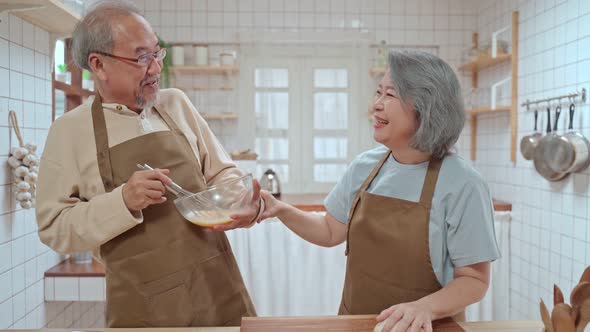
(300, 119)
(328, 131)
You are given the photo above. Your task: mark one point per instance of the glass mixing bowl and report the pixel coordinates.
(214, 205)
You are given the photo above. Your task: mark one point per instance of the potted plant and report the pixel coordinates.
(166, 63)
(63, 74)
(87, 82)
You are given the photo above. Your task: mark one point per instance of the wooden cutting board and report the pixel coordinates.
(353, 323)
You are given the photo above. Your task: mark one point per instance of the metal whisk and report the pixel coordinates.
(174, 188)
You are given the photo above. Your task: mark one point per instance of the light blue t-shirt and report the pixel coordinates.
(461, 230)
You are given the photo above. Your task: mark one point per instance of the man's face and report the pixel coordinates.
(133, 84)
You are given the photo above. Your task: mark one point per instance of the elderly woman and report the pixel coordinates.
(417, 218)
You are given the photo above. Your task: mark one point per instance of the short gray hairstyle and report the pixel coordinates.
(94, 31)
(429, 84)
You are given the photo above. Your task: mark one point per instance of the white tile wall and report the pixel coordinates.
(5, 286)
(550, 238)
(25, 87)
(397, 21)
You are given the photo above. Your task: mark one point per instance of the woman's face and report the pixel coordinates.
(394, 122)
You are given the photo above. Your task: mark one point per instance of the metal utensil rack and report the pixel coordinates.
(582, 95)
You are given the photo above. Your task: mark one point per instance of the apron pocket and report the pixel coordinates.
(168, 301)
(170, 308)
(344, 309)
(217, 292)
(231, 314)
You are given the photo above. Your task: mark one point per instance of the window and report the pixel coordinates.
(272, 120)
(303, 123)
(69, 87)
(330, 124)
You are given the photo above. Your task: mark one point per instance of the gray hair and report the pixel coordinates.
(429, 84)
(94, 32)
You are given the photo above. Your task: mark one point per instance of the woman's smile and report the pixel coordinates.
(379, 122)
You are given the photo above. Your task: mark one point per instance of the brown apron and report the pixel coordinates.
(165, 272)
(387, 247)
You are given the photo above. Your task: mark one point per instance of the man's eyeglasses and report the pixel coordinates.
(144, 60)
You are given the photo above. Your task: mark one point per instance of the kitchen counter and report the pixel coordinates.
(305, 202)
(69, 269)
(499, 326)
(315, 202)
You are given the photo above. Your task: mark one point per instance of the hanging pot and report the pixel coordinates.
(529, 142)
(541, 154)
(571, 152)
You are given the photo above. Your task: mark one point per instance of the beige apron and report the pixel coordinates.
(387, 247)
(165, 271)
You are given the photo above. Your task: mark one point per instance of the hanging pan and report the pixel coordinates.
(571, 151)
(529, 142)
(541, 157)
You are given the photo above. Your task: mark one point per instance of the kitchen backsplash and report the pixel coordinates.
(25, 87)
(447, 23)
(550, 239)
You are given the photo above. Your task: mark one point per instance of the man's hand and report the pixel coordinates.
(145, 188)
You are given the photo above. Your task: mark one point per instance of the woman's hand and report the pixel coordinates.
(412, 316)
(271, 205)
(248, 216)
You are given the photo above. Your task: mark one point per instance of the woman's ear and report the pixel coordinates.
(97, 66)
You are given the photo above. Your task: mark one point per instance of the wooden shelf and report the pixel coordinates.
(244, 155)
(500, 205)
(206, 88)
(480, 63)
(204, 69)
(377, 71)
(478, 111)
(50, 15)
(71, 90)
(222, 116)
(187, 43)
(485, 61)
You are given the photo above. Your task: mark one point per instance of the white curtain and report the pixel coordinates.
(288, 276)
(494, 306)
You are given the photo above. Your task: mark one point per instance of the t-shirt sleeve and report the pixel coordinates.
(339, 200)
(471, 236)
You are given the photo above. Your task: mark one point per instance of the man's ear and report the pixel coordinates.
(97, 66)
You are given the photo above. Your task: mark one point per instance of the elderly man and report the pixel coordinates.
(161, 269)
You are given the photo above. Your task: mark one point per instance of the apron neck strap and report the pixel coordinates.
(99, 123)
(101, 139)
(366, 185)
(430, 181)
(374, 172)
(166, 117)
